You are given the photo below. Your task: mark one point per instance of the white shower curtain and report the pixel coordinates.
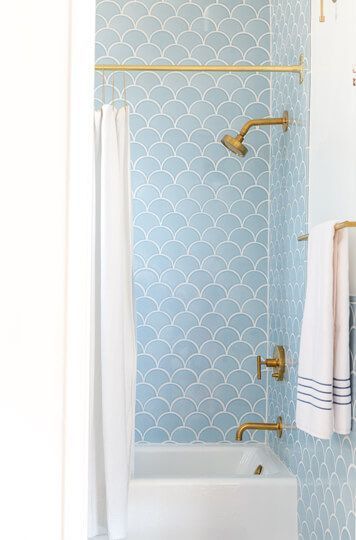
(114, 352)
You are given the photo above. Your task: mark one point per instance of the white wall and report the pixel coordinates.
(333, 118)
(35, 176)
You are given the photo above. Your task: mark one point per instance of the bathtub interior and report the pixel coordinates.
(206, 462)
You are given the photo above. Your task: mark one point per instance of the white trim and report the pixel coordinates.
(76, 413)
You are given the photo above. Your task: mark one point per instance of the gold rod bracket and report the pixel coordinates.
(322, 11)
(322, 14)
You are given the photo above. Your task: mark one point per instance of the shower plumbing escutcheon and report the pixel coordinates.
(278, 363)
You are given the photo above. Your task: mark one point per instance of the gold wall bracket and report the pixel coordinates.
(322, 15)
(302, 68)
(278, 363)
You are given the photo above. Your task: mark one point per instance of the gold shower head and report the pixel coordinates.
(234, 144)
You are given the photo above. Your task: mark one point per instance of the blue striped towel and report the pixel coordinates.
(324, 389)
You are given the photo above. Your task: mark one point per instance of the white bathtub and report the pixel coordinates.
(211, 493)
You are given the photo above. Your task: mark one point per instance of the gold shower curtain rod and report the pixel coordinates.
(298, 68)
(338, 226)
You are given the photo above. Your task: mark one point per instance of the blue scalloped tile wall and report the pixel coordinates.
(326, 470)
(200, 214)
(201, 231)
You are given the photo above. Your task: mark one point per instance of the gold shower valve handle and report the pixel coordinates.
(259, 372)
(278, 364)
(269, 362)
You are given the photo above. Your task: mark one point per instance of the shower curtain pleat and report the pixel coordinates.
(114, 349)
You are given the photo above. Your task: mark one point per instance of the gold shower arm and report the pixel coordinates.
(262, 122)
(235, 144)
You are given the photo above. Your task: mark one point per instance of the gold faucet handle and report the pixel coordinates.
(269, 362)
(277, 363)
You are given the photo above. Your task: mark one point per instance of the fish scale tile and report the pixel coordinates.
(326, 470)
(200, 214)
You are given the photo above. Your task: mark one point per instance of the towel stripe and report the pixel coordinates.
(328, 390)
(318, 399)
(314, 380)
(316, 406)
(316, 390)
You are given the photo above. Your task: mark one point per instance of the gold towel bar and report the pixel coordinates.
(298, 68)
(338, 226)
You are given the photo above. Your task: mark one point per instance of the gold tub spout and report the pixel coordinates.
(278, 426)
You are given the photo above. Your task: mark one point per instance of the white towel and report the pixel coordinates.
(324, 389)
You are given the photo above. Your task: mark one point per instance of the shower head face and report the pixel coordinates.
(235, 145)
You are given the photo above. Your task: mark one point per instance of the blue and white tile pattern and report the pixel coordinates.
(200, 213)
(326, 470)
(201, 231)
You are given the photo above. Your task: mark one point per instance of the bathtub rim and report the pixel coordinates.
(284, 475)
